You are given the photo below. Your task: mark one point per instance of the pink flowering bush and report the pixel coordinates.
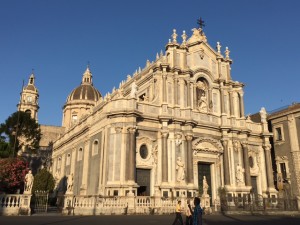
(12, 173)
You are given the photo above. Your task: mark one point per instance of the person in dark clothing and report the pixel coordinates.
(197, 213)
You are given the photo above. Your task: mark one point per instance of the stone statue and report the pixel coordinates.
(180, 170)
(263, 115)
(70, 183)
(205, 186)
(28, 182)
(134, 88)
(202, 105)
(239, 174)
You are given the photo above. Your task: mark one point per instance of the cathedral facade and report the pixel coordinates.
(169, 127)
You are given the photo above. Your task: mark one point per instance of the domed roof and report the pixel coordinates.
(86, 90)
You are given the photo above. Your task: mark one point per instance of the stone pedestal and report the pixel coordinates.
(298, 201)
(130, 203)
(205, 201)
(25, 205)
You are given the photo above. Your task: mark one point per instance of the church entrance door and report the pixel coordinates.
(143, 180)
(204, 170)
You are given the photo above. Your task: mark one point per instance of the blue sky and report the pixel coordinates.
(57, 38)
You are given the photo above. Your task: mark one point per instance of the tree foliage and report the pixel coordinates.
(12, 174)
(43, 181)
(22, 126)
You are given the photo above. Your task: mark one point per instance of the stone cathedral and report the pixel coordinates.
(168, 127)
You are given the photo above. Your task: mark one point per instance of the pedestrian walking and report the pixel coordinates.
(178, 216)
(188, 214)
(197, 213)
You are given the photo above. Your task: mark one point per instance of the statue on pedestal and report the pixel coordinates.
(205, 186)
(28, 182)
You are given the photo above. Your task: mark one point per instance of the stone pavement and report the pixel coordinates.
(219, 219)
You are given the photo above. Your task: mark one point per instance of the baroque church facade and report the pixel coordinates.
(167, 127)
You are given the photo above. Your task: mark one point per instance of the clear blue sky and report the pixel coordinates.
(57, 38)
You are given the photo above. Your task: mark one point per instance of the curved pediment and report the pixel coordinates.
(207, 145)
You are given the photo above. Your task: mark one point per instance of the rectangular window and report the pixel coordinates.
(283, 171)
(278, 134)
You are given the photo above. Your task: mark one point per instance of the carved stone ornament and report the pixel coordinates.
(206, 144)
(236, 145)
(201, 53)
(178, 140)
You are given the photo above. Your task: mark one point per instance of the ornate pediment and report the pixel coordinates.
(205, 144)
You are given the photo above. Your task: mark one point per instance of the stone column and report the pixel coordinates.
(164, 161)
(295, 151)
(269, 171)
(175, 90)
(86, 162)
(242, 107)
(222, 98)
(188, 87)
(164, 87)
(231, 103)
(131, 154)
(195, 96)
(246, 164)
(226, 163)
(181, 93)
(189, 155)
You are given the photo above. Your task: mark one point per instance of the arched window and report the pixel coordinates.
(95, 147)
(59, 163)
(28, 111)
(80, 154)
(68, 162)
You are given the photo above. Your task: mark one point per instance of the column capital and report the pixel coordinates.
(132, 129)
(267, 147)
(164, 133)
(118, 129)
(189, 136)
(224, 142)
(244, 144)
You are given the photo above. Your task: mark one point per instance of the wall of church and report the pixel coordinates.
(95, 161)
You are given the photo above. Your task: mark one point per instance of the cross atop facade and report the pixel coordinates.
(201, 23)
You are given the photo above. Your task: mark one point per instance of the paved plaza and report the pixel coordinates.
(147, 220)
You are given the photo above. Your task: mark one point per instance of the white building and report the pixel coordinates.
(166, 127)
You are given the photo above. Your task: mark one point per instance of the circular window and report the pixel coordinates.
(251, 164)
(143, 151)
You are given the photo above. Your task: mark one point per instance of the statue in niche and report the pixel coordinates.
(239, 175)
(205, 186)
(178, 140)
(201, 96)
(202, 104)
(180, 170)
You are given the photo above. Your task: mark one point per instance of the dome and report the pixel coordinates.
(85, 92)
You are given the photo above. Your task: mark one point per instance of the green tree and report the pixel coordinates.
(5, 149)
(43, 181)
(22, 132)
(12, 174)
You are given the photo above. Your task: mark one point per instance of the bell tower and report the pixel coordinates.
(29, 98)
